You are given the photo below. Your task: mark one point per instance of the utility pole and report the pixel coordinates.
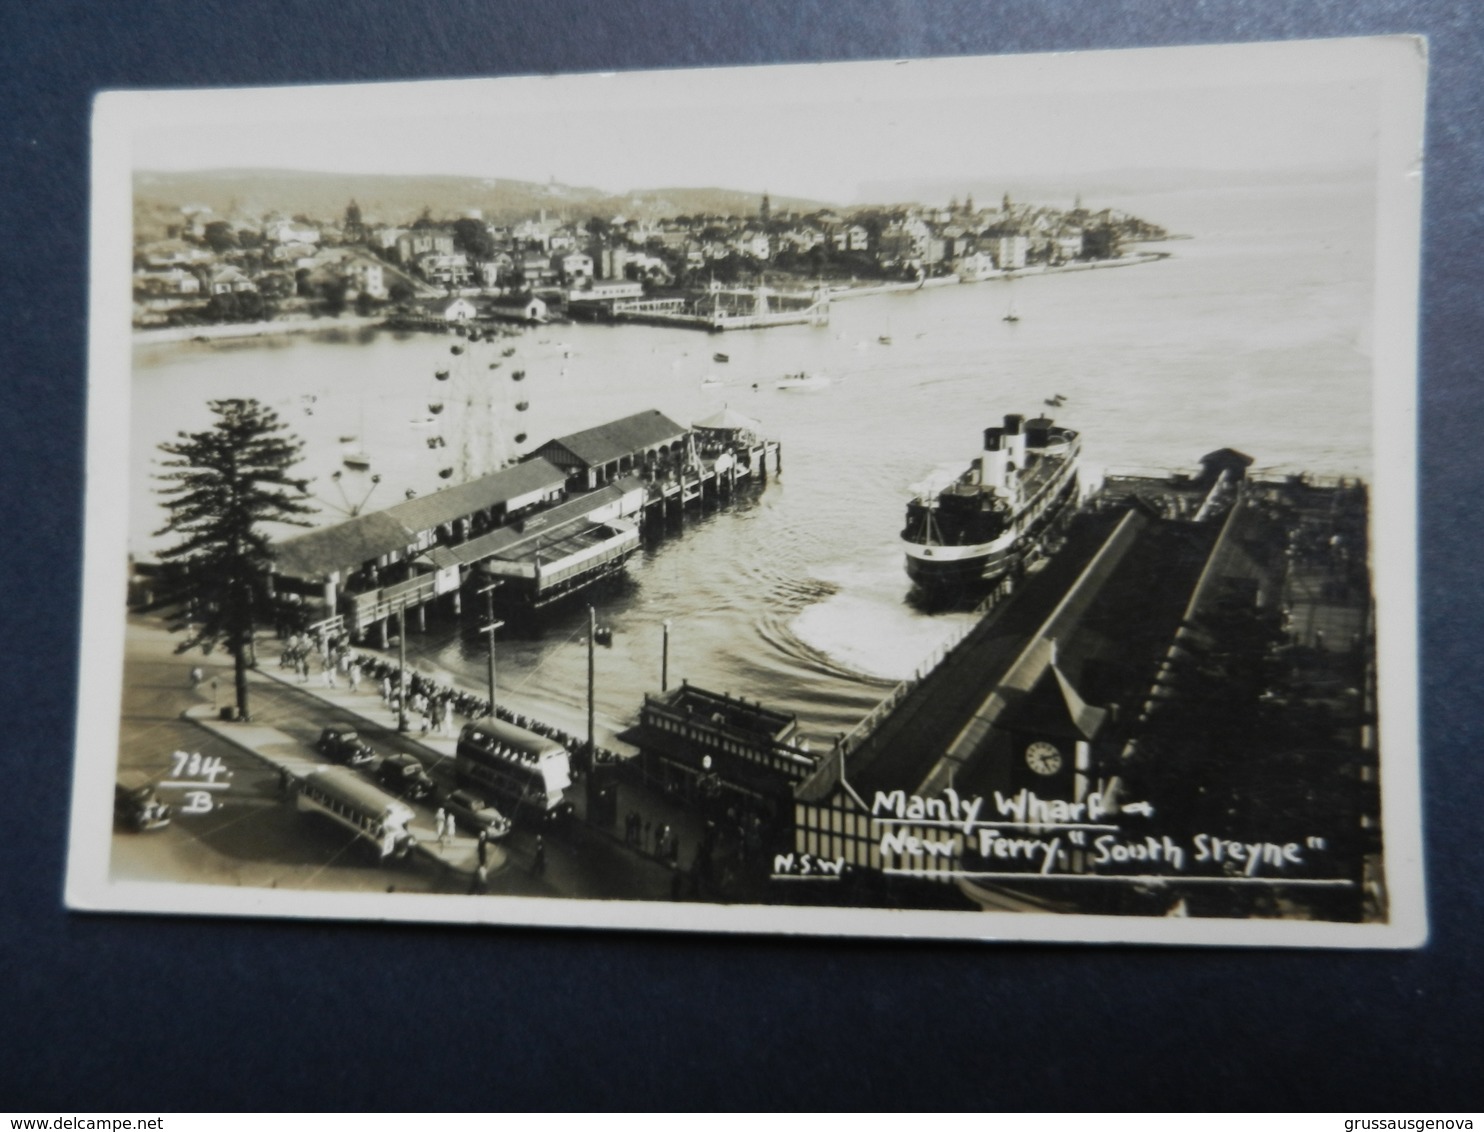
(592, 640)
(489, 626)
(402, 665)
(665, 660)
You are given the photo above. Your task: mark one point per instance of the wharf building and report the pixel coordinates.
(1199, 648)
(565, 517)
(722, 752)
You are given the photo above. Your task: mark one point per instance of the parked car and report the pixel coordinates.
(136, 805)
(476, 815)
(344, 745)
(404, 775)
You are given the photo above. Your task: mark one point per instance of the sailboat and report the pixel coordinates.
(1011, 314)
(353, 448)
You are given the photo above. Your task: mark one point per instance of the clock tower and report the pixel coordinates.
(1051, 732)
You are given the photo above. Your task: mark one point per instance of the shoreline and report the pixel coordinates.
(238, 330)
(1130, 260)
(228, 330)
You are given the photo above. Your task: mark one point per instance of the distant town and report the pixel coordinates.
(195, 266)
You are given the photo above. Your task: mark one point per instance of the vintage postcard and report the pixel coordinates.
(943, 498)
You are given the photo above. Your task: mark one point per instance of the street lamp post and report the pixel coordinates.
(489, 626)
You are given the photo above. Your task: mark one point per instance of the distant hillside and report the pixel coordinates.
(1095, 184)
(399, 199)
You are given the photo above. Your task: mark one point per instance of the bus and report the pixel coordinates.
(526, 771)
(346, 798)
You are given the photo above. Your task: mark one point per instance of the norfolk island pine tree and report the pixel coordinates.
(221, 485)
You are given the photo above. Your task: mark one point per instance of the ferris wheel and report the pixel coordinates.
(477, 395)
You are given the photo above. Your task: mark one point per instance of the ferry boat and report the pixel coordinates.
(982, 525)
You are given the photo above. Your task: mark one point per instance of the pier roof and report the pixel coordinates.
(425, 512)
(620, 438)
(525, 536)
(728, 420)
(342, 547)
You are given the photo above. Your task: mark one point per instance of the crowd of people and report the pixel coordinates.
(431, 704)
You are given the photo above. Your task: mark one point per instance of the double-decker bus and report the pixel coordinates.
(348, 799)
(524, 771)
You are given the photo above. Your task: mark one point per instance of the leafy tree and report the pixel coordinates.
(221, 485)
(236, 306)
(352, 229)
(219, 236)
(333, 295)
(473, 237)
(401, 291)
(276, 285)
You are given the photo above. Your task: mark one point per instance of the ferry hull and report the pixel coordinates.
(951, 574)
(942, 570)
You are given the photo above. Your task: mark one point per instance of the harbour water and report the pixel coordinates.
(1254, 334)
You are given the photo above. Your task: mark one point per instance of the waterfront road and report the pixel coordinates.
(251, 836)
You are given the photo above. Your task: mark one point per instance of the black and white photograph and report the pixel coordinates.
(947, 498)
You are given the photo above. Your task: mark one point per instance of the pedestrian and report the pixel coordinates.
(484, 847)
(197, 676)
(328, 674)
(386, 689)
(538, 865)
(354, 675)
(441, 822)
(481, 883)
(304, 669)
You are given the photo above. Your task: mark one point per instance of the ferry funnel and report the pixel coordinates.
(992, 460)
(1015, 440)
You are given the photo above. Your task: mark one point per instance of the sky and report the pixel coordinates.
(823, 132)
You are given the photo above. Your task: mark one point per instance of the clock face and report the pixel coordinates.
(1043, 758)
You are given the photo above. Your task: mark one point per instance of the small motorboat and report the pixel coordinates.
(802, 381)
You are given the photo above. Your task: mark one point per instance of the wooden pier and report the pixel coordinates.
(720, 309)
(710, 480)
